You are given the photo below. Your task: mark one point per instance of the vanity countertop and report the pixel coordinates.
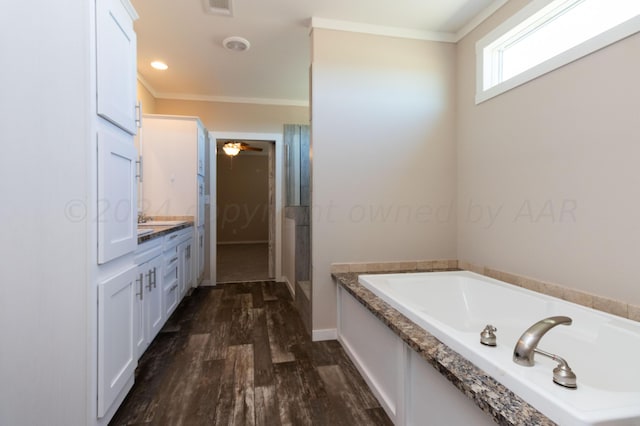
(496, 400)
(160, 230)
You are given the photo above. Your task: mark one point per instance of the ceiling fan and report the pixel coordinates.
(233, 148)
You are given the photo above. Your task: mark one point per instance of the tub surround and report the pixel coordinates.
(588, 300)
(505, 407)
(599, 303)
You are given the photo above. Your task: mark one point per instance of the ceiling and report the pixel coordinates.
(275, 68)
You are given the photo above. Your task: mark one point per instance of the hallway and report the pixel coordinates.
(242, 262)
(238, 354)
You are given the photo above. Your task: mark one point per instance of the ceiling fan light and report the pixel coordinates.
(231, 149)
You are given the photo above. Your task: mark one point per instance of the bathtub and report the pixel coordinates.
(603, 350)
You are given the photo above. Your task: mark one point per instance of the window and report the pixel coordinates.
(546, 35)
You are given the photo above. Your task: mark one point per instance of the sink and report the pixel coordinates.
(162, 223)
(142, 232)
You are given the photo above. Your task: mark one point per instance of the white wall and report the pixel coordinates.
(44, 105)
(569, 138)
(383, 140)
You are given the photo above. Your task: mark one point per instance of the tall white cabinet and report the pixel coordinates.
(67, 356)
(118, 285)
(173, 151)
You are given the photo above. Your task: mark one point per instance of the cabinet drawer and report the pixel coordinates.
(177, 237)
(171, 296)
(171, 260)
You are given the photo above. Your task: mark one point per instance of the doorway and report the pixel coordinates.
(248, 206)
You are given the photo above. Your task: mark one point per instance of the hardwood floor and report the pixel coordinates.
(238, 354)
(242, 262)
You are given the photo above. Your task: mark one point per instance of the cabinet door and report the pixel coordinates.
(116, 64)
(170, 292)
(185, 269)
(139, 321)
(200, 219)
(153, 294)
(117, 195)
(201, 251)
(117, 359)
(202, 138)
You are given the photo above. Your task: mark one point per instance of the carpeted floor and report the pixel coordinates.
(242, 262)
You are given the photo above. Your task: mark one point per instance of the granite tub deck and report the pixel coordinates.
(505, 407)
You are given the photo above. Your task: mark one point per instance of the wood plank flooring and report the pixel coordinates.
(238, 354)
(229, 270)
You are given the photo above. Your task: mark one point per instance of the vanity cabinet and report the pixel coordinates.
(173, 149)
(177, 261)
(149, 315)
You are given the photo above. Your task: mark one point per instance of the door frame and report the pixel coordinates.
(277, 139)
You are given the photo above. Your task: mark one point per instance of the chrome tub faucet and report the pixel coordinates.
(527, 347)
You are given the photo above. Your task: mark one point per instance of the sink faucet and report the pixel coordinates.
(142, 218)
(527, 347)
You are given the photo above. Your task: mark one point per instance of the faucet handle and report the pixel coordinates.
(487, 336)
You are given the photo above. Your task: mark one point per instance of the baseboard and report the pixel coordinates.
(325, 334)
(227, 243)
(207, 283)
(292, 290)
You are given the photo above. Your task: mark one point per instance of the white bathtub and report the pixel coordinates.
(603, 350)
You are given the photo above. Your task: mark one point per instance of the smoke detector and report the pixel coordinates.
(218, 7)
(236, 44)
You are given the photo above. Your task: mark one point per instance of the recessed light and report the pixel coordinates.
(159, 65)
(236, 44)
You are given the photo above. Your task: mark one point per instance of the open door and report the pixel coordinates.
(213, 237)
(272, 210)
(271, 145)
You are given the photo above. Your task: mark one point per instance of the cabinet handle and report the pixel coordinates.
(139, 114)
(173, 287)
(139, 163)
(139, 280)
(173, 260)
(155, 276)
(149, 280)
(173, 236)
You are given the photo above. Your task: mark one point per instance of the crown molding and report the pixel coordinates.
(227, 99)
(479, 19)
(356, 27)
(147, 85)
(233, 99)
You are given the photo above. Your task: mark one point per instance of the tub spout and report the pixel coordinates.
(527, 343)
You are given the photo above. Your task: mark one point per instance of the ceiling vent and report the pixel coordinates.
(218, 7)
